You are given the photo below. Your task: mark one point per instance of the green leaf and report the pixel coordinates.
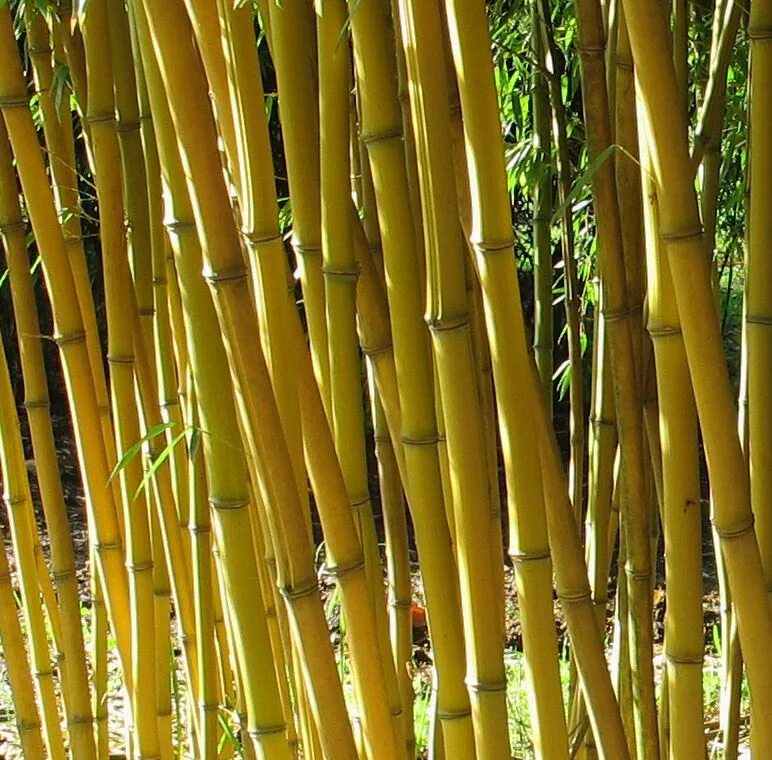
(133, 450)
(158, 461)
(586, 177)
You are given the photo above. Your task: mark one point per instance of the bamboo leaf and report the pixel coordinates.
(158, 461)
(134, 449)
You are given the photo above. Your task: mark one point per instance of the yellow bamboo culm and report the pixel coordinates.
(682, 236)
(447, 317)
(74, 679)
(491, 239)
(682, 524)
(70, 337)
(18, 504)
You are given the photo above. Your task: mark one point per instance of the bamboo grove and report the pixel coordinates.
(285, 313)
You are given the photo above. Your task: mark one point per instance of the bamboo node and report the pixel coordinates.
(237, 274)
(427, 440)
(758, 319)
(40, 49)
(396, 604)
(616, 315)
(100, 118)
(574, 597)
(123, 127)
(62, 575)
(256, 733)
(343, 273)
(360, 502)
(73, 240)
(449, 715)
(42, 404)
(197, 530)
(290, 594)
(305, 250)
(597, 50)
(637, 575)
(536, 556)
(494, 246)
(74, 337)
(116, 359)
(674, 659)
(485, 687)
(175, 225)
(227, 504)
(371, 351)
(599, 422)
(146, 312)
(11, 227)
(682, 236)
(208, 707)
(25, 726)
(447, 324)
(380, 137)
(80, 720)
(256, 238)
(139, 567)
(14, 501)
(623, 63)
(727, 534)
(759, 33)
(664, 332)
(14, 101)
(159, 282)
(341, 571)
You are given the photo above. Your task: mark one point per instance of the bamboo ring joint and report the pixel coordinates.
(730, 533)
(429, 440)
(380, 137)
(592, 51)
(238, 274)
(447, 324)
(291, 594)
(343, 273)
(11, 227)
(574, 598)
(227, 504)
(757, 319)
(486, 687)
(495, 246)
(256, 733)
(375, 350)
(42, 404)
(14, 101)
(255, 238)
(100, 118)
(759, 33)
(683, 660)
(74, 337)
(682, 236)
(449, 715)
(341, 571)
(518, 557)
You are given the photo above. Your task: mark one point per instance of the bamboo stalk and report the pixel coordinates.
(26, 716)
(543, 341)
(684, 245)
(570, 282)
(37, 406)
(682, 521)
(18, 504)
(69, 336)
(381, 132)
(635, 518)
